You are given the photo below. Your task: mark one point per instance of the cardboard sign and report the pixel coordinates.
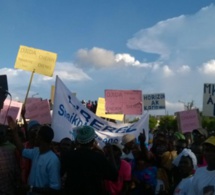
(188, 120)
(40, 111)
(100, 111)
(40, 61)
(154, 101)
(123, 102)
(209, 100)
(12, 109)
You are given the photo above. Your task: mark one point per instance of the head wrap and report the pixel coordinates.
(186, 152)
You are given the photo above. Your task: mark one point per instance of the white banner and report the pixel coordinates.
(69, 112)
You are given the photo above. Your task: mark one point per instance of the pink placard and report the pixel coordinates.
(40, 111)
(29, 106)
(189, 120)
(123, 102)
(12, 109)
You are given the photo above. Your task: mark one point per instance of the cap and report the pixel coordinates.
(85, 134)
(210, 140)
(127, 138)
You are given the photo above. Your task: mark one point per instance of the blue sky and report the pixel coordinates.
(154, 46)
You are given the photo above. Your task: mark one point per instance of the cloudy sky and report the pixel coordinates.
(143, 45)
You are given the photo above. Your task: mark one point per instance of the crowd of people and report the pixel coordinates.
(177, 164)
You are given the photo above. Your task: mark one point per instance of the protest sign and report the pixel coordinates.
(10, 108)
(29, 106)
(209, 100)
(39, 110)
(188, 120)
(69, 112)
(154, 101)
(100, 111)
(123, 102)
(40, 61)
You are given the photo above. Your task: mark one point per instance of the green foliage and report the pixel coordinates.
(208, 123)
(153, 122)
(168, 123)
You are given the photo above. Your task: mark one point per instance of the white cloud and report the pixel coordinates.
(102, 58)
(167, 71)
(208, 68)
(186, 39)
(68, 71)
(184, 69)
(96, 57)
(126, 59)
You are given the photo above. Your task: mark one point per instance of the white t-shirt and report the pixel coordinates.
(184, 186)
(203, 182)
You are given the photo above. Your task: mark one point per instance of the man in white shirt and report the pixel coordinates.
(203, 182)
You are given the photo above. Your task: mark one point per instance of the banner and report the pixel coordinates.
(100, 111)
(69, 112)
(208, 100)
(40, 61)
(123, 102)
(154, 101)
(188, 120)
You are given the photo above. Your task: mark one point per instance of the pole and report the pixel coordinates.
(29, 86)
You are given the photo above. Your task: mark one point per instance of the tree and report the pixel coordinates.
(153, 122)
(168, 123)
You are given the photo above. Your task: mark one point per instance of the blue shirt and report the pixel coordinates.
(45, 169)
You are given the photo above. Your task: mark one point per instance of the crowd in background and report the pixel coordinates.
(31, 163)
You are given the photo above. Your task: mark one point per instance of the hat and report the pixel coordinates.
(127, 138)
(32, 124)
(85, 134)
(201, 131)
(210, 140)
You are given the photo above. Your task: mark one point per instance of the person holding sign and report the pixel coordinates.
(44, 176)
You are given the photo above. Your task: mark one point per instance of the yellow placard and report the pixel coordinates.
(40, 61)
(100, 111)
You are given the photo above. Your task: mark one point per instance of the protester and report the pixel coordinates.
(87, 169)
(186, 163)
(32, 129)
(203, 182)
(180, 145)
(66, 144)
(199, 135)
(10, 177)
(197, 149)
(122, 185)
(144, 176)
(44, 176)
(129, 143)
